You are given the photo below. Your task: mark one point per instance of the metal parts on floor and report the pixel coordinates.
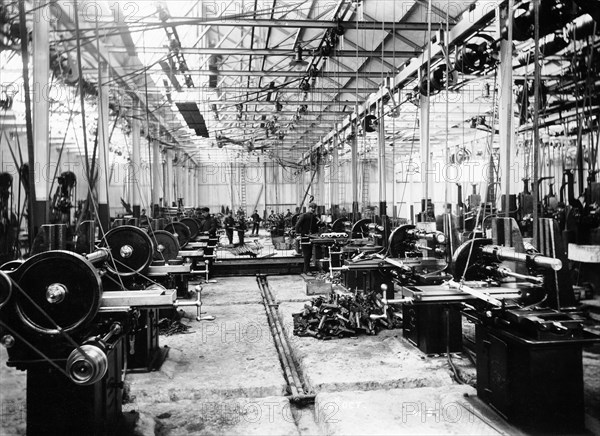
(338, 316)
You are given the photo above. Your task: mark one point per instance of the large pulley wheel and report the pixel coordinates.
(397, 240)
(467, 260)
(166, 245)
(131, 250)
(360, 229)
(192, 225)
(181, 232)
(11, 265)
(62, 289)
(339, 225)
(5, 288)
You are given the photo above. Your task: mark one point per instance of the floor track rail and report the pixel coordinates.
(297, 387)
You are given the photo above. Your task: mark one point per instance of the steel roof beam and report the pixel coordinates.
(282, 73)
(230, 102)
(232, 51)
(251, 89)
(292, 24)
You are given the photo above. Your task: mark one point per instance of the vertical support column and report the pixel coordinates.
(354, 177)
(188, 186)
(536, 131)
(239, 180)
(195, 184)
(134, 164)
(334, 189)
(394, 204)
(41, 110)
(183, 187)
(299, 187)
(427, 175)
(179, 171)
(102, 169)
(265, 192)
(320, 197)
(505, 112)
(231, 187)
(175, 178)
(191, 185)
(381, 162)
(198, 185)
(158, 191)
(168, 178)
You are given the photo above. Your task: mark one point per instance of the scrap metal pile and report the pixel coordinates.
(346, 315)
(168, 327)
(252, 250)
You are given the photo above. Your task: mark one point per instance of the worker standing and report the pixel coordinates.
(287, 218)
(256, 219)
(209, 224)
(241, 229)
(229, 224)
(307, 224)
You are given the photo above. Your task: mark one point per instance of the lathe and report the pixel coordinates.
(171, 265)
(529, 335)
(73, 336)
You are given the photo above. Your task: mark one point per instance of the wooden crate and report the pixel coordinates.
(317, 287)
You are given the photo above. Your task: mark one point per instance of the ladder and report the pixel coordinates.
(365, 183)
(243, 188)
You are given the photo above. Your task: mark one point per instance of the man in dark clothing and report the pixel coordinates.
(307, 224)
(241, 230)
(209, 224)
(144, 221)
(287, 218)
(256, 219)
(229, 224)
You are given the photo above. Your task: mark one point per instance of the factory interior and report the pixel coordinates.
(299, 217)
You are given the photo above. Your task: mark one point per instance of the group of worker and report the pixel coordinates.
(306, 224)
(237, 224)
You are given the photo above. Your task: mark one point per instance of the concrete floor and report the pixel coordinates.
(223, 377)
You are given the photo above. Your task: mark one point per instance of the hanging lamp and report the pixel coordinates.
(298, 62)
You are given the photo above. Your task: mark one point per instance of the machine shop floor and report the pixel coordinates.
(224, 377)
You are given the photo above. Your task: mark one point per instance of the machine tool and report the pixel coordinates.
(171, 266)
(72, 335)
(529, 349)
(411, 241)
(166, 267)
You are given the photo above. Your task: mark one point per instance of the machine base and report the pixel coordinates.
(57, 406)
(536, 385)
(433, 328)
